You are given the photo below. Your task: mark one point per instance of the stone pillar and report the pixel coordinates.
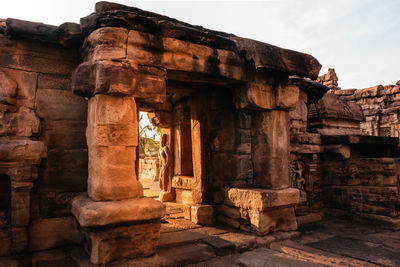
(270, 149)
(270, 101)
(115, 196)
(118, 222)
(112, 137)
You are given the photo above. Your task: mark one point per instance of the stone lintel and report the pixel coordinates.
(120, 78)
(91, 213)
(259, 199)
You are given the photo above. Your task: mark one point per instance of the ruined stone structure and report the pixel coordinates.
(250, 141)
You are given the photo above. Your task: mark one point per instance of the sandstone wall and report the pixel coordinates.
(47, 111)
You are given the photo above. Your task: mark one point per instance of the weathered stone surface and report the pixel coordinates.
(26, 86)
(65, 169)
(112, 134)
(106, 44)
(270, 149)
(202, 214)
(49, 233)
(221, 246)
(120, 78)
(287, 96)
(265, 257)
(64, 134)
(261, 199)
(8, 89)
(55, 257)
(242, 242)
(28, 56)
(66, 34)
(122, 242)
(20, 121)
(60, 105)
(255, 96)
(273, 220)
(54, 81)
(91, 213)
(330, 106)
(21, 150)
(55, 203)
(182, 255)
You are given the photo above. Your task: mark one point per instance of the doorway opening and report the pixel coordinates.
(149, 167)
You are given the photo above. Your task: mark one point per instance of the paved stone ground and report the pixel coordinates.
(331, 242)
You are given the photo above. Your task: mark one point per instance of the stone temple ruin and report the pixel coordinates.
(250, 137)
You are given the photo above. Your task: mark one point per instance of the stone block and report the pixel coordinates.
(235, 167)
(19, 238)
(122, 242)
(273, 220)
(187, 209)
(228, 221)
(104, 109)
(65, 169)
(19, 121)
(20, 206)
(28, 56)
(8, 89)
(184, 196)
(5, 241)
(241, 241)
(112, 174)
(48, 233)
(26, 86)
(60, 105)
(243, 141)
(287, 96)
(228, 211)
(262, 199)
(91, 213)
(270, 149)
(54, 81)
(202, 214)
(65, 134)
(255, 96)
(107, 43)
(55, 257)
(21, 150)
(174, 54)
(55, 203)
(244, 120)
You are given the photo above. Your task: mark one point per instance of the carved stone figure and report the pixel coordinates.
(165, 158)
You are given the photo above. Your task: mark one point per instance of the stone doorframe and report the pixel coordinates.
(125, 68)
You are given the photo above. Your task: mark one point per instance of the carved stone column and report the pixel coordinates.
(270, 99)
(114, 208)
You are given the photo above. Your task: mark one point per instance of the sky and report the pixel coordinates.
(359, 38)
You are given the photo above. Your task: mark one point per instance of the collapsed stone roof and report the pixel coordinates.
(262, 55)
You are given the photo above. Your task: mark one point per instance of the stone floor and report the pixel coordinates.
(331, 242)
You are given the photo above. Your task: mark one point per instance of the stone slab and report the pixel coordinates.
(221, 246)
(175, 256)
(179, 238)
(49, 233)
(242, 242)
(122, 242)
(262, 199)
(265, 257)
(91, 213)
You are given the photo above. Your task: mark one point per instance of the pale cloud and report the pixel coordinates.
(360, 39)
